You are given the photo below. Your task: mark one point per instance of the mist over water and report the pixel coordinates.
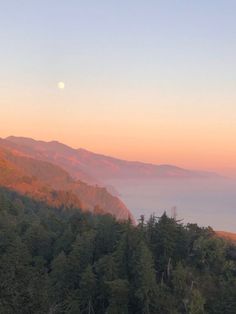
(204, 201)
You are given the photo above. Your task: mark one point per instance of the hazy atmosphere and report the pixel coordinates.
(151, 81)
(118, 157)
(207, 202)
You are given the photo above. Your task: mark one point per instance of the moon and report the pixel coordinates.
(61, 85)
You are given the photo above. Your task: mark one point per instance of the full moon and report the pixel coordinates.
(61, 85)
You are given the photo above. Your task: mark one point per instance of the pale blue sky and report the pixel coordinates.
(168, 62)
(131, 43)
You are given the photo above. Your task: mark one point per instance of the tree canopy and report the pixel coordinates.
(66, 261)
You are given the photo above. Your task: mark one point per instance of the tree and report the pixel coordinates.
(81, 256)
(60, 278)
(197, 303)
(87, 290)
(106, 272)
(118, 296)
(144, 278)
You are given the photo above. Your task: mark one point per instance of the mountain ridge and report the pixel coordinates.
(231, 236)
(48, 182)
(99, 168)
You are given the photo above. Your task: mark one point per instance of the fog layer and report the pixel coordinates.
(205, 201)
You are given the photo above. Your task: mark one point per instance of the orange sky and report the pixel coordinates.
(151, 81)
(146, 126)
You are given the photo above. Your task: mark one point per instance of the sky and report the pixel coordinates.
(144, 80)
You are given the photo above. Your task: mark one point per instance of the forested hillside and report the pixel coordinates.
(57, 261)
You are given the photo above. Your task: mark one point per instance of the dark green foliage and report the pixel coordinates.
(118, 296)
(69, 262)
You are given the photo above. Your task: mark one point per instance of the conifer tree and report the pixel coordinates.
(144, 278)
(87, 291)
(118, 296)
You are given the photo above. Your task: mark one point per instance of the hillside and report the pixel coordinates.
(227, 235)
(54, 152)
(72, 262)
(47, 182)
(96, 168)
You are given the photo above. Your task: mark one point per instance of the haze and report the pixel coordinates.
(151, 81)
(205, 201)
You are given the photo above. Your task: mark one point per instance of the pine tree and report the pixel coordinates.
(87, 291)
(81, 256)
(144, 278)
(118, 296)
(59, 277)
(197, 303)
(106, 272)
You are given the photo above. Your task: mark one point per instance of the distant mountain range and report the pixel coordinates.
(96, 168)
(50, 183)
(64, 176)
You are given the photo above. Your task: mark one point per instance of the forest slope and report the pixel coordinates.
(59, 262)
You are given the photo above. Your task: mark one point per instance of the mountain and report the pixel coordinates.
(227, 235)
(108, 168)
(96, 168)
(48, 182)
(54, 152)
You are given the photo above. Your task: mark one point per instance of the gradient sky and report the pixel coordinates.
(146, 80)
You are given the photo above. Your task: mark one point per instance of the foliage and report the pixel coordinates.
(57, 261)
